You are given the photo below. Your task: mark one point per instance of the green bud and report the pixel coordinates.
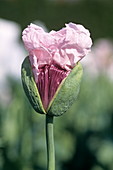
(64, 97)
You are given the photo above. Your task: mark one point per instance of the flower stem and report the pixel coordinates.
(50, 143)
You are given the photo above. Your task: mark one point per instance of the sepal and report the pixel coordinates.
(64, 97)
(30, 87)
(67, 92)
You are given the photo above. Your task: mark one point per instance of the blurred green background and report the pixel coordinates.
(84, 135)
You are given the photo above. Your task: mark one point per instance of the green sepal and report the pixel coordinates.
(64, 97)
(30, 87)
(67, 92)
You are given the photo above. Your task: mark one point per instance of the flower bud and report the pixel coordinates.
(64, 96)
(51, 74)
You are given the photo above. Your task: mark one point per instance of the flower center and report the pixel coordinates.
(49, 79)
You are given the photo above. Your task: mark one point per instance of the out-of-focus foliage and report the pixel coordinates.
(96, 15)
(83, 135)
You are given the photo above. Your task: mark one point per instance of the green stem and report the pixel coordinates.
(50, 143)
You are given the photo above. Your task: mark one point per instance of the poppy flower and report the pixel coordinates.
(51, 74)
